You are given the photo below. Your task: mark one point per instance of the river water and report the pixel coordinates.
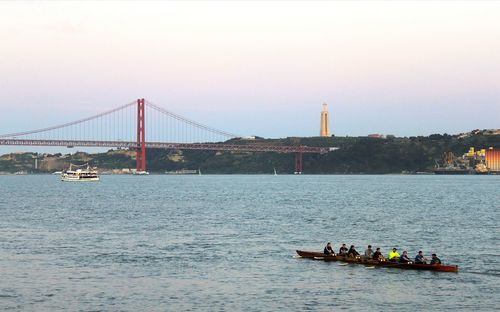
(227, 242)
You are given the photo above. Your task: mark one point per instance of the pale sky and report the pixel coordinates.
(256, 68)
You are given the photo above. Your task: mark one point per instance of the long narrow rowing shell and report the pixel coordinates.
(387, 264)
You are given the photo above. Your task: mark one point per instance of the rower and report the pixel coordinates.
(343, 250)
(328, 251)
(394, 255)
(377, 255)
(435, 259)
(369, 252)
(352, 252)
(404, 258)
(420, 259)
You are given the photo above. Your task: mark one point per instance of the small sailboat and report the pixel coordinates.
(199, 171)
(275, 172)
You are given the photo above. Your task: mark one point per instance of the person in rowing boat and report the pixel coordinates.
(420, 259)
(328, 251)
(394, 255)
(404, 257)
(435, 259)
(352, 252)
(369, 252)
(343, 250)
(377, 255)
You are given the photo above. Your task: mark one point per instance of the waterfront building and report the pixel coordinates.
(376, 136)
(493, 160)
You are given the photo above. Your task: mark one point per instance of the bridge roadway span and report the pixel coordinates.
(180, 146)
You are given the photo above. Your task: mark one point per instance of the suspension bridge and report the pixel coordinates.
(126, 127)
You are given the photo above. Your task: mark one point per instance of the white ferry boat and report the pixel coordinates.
(140, 172)
(80, 175)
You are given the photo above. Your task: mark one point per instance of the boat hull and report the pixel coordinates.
(457, 171)
(79, 179)
(387, 264)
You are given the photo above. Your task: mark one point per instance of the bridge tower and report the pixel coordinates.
(298, 160)
(141, 136)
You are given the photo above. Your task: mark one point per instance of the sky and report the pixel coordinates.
(256, 68)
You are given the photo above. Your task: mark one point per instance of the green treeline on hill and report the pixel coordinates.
(356, 155)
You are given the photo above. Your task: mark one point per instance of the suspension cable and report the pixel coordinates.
(67, 124)
(191, 122)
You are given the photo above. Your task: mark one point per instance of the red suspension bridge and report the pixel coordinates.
(126, 127)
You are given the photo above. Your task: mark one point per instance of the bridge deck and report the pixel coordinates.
(180, 146)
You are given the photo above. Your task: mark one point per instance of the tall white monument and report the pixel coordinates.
(325, 122)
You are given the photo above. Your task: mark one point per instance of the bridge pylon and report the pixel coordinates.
(141, 136)
(298, 160)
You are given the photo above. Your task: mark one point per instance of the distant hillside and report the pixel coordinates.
(356, 155)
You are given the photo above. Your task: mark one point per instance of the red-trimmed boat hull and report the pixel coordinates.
(388, 264)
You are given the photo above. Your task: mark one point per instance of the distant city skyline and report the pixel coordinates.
(401, 68)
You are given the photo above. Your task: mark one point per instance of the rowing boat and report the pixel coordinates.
(368, 262)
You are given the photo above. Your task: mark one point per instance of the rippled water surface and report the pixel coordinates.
(225, 243)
